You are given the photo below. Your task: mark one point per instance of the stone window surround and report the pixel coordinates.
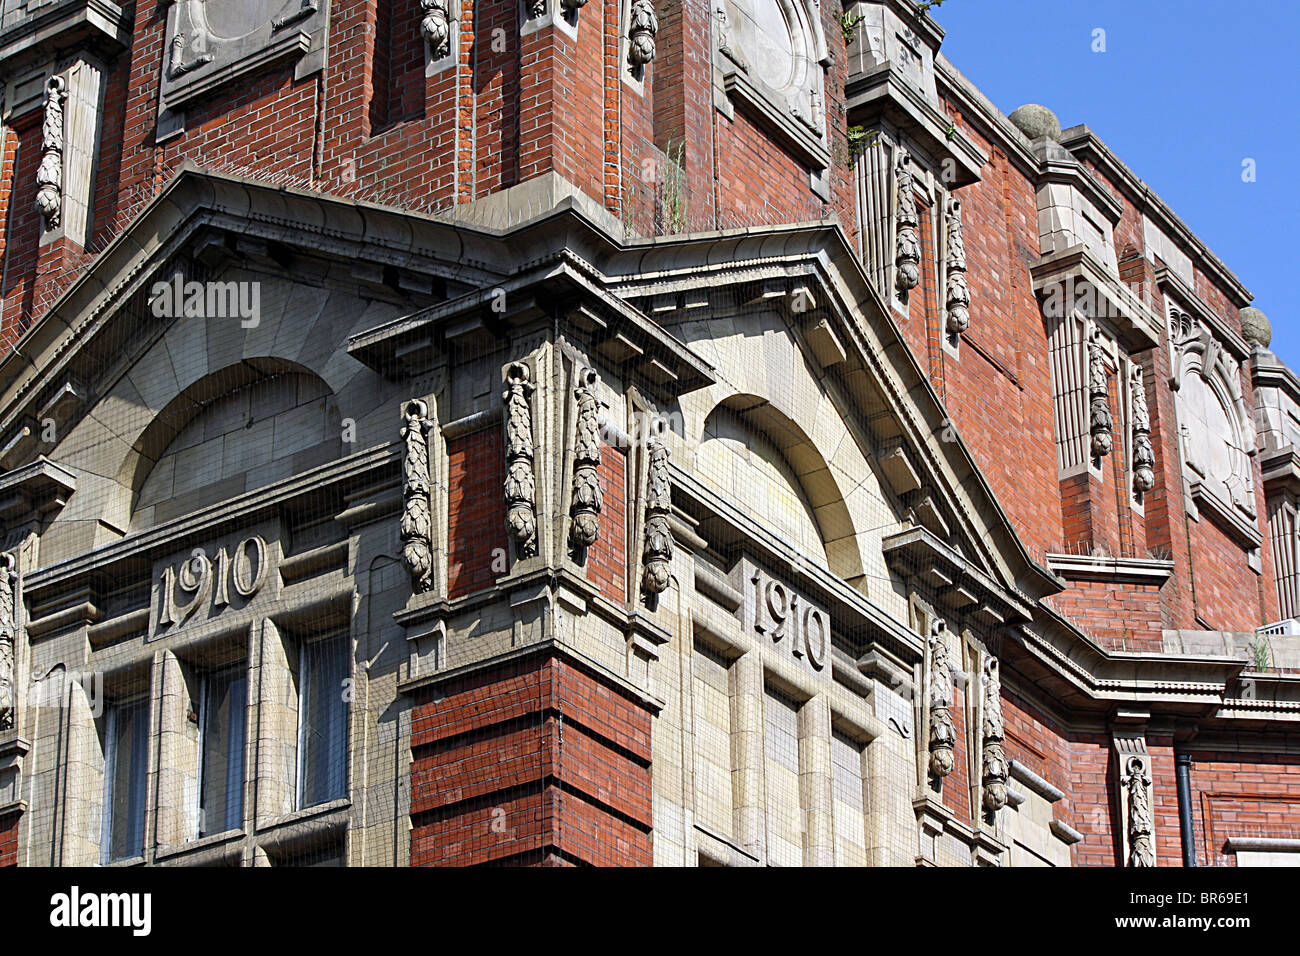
(261, 828)
(734, 85)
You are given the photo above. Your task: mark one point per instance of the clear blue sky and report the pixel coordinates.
(1184, 92)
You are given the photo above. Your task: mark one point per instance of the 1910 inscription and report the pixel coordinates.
(200, 579)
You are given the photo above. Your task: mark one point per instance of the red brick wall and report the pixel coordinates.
(1090, 786)
(607, 558)
(1242, 794)
(1074, 765)
(1121, 617)
(476, 511)
(532, 762)
(999, 392)
(9, 839)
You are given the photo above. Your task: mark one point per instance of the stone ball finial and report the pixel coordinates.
(1255, 327)
(1036, 122)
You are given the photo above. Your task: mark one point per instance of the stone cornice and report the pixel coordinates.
(1138, 327)
(884, 92)
(53, 29)
(1085, 144)
(1145, 571)
(1268, 371)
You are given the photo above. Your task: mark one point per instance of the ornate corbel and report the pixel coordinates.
(587, 496)
(521, 484)
(642, 27)
(658, 552)
(1144, 455)
(536, 8)
(49, 176)
(996, 769)
(943, 735)
(958, 295)
(1141, 828)
(1099, 401)
(907, 248)
(8, 640)
(435, 27)
(417, 521)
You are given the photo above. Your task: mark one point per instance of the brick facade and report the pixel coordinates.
(415, 222)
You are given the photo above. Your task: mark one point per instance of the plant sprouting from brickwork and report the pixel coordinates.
(860, 140)
(674, 187)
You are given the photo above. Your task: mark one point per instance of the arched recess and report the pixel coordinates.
(232, 431)
(766, 463)
(1218, 429)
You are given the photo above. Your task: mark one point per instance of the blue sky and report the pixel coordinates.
(1185, 91)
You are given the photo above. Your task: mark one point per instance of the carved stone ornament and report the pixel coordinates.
(521, 485)
(417, 521)
(573, 6)
(958, 295)
(1144, 455)
(1100, 422)
(8, 640)
(642, 27)
(1141, 848)
(725, 44)
(49, 176)
(907, 248)
(435, 27)
(996, 768)
(536, 8)
(658, 552)
(943, 735)
(587, 496)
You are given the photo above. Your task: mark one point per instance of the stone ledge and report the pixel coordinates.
(1074, 567)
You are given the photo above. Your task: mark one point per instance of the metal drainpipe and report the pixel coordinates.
(1183, 769)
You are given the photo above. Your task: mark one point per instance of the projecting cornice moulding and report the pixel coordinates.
(1074, 272)
(1147, 571)
(87, 25)
(1084, 143)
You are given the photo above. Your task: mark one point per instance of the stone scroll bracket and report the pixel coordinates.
(654, 500)
(521, 445)
(941, 733)
(586, 497)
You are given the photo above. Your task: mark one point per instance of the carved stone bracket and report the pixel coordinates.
(49, 176)
(642, 27)
(1141, 828)
(8, 640)
(1144, 456)
(658, 552)
(1100, 422)
(435, 27)
(957, 295)
(1134, 798)
(521, 484)
(907, 247)
(587, 496)
(995, 764)
(417, 520)
(943, 734)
